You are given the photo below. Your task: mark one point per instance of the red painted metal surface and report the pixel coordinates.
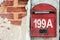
(43, 24)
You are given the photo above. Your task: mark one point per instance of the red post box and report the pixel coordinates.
(43, 21)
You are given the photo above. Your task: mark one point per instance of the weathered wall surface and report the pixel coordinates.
(15, 11)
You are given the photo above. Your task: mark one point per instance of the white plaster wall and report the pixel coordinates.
(12, 34)
(15, 32)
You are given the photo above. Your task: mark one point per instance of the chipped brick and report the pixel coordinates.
(16, 22)
(8, 3)
(21, 16)
(16, 9)
(9, 16)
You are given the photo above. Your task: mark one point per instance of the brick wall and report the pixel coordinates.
(14, 10)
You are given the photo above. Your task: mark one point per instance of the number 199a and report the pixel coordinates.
(41, 23)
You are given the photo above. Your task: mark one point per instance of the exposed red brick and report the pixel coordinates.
(22, 2)
(21, 16)
(9, 16)
(9, 0)
(16, 9)
(16, 22)
(8, 3)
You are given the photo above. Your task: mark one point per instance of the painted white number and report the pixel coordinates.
(42, 23)
(37, 23)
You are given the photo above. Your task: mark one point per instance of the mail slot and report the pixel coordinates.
(43, 21)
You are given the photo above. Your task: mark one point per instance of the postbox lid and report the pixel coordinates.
(44, 7)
